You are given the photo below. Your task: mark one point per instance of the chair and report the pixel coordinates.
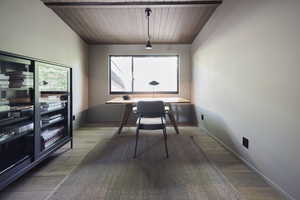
(151, 116)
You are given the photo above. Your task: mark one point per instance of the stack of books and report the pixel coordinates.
(20, 79)
(4, 83)
(4, 105)
(51, 119)
(16, 130)
(51, 135)
(49, 106)
(4, 108)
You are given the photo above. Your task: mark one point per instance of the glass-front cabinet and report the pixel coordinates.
(35, 113)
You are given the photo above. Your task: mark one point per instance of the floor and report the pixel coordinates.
(43, 182)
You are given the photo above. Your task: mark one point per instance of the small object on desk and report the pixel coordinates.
(126, 97)
(154, 83)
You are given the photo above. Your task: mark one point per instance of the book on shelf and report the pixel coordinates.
(51, 132)
(21, 111)
(49, 106)
(51, 119)
(20, 85)
(50, 98)
(4, 108)
(16, 113)
(18, 128)
(4, 102)
(4, 83)
(14, 130)
(52, 141)
(20, 100)
(4, 77)
(19, 73)
(19, 79)
(51, 135)
(25, 81)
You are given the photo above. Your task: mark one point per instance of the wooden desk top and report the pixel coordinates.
(134, 100)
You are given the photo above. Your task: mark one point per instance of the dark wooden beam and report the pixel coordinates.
(132, 3)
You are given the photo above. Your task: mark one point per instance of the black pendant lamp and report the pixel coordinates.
(148, 44)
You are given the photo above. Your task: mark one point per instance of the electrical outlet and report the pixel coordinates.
(246, 142)
(73, 117)
(202, 117)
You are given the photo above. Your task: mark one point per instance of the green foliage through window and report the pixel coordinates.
(53, 78)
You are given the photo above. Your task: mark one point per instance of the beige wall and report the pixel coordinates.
(246, 83)
(99, 73)
(29, 28)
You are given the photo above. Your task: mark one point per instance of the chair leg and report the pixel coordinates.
(165, 139)
(136, 141)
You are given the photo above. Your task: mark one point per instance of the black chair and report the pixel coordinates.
(151, 116)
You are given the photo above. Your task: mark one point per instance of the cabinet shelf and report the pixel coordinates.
(53, 123)
(56, 143)
(53, 110)
(10, 121)
(13, 162)
(14, 137)
(18, 108)
(17, 89)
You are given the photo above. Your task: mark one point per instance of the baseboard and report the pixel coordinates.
(267, 179)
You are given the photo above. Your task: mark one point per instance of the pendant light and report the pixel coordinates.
(148, 44)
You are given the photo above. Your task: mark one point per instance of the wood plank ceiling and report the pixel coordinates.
(124, 22)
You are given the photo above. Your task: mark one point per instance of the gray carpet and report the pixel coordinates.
(109, 172)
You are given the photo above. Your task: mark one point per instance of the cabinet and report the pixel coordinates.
(35, 113)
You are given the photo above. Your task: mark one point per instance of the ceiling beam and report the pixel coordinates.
(134, 4)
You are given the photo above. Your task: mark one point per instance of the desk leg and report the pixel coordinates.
(126, 114)
(172, 118)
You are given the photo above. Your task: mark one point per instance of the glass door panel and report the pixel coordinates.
(54, 103)
(16, 110)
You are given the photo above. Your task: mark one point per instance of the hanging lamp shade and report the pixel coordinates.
(148, 45)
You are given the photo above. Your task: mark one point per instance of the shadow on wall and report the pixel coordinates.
(184, 114)
(80, 119)
(217, 126)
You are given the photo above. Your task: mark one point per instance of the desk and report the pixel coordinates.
(133, 100)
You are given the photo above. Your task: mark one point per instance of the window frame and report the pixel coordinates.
(132, 70)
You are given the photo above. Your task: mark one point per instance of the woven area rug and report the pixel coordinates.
(109, 172)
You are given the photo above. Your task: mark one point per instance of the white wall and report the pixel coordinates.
(246, 82)
(31, 29)
(99, 74)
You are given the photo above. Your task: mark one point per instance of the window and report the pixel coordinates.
(132, 74)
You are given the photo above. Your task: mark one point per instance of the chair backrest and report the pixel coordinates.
(150, 108)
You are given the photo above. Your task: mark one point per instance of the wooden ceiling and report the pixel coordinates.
(124, 22)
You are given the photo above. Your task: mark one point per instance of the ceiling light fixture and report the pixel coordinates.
(148, 12)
